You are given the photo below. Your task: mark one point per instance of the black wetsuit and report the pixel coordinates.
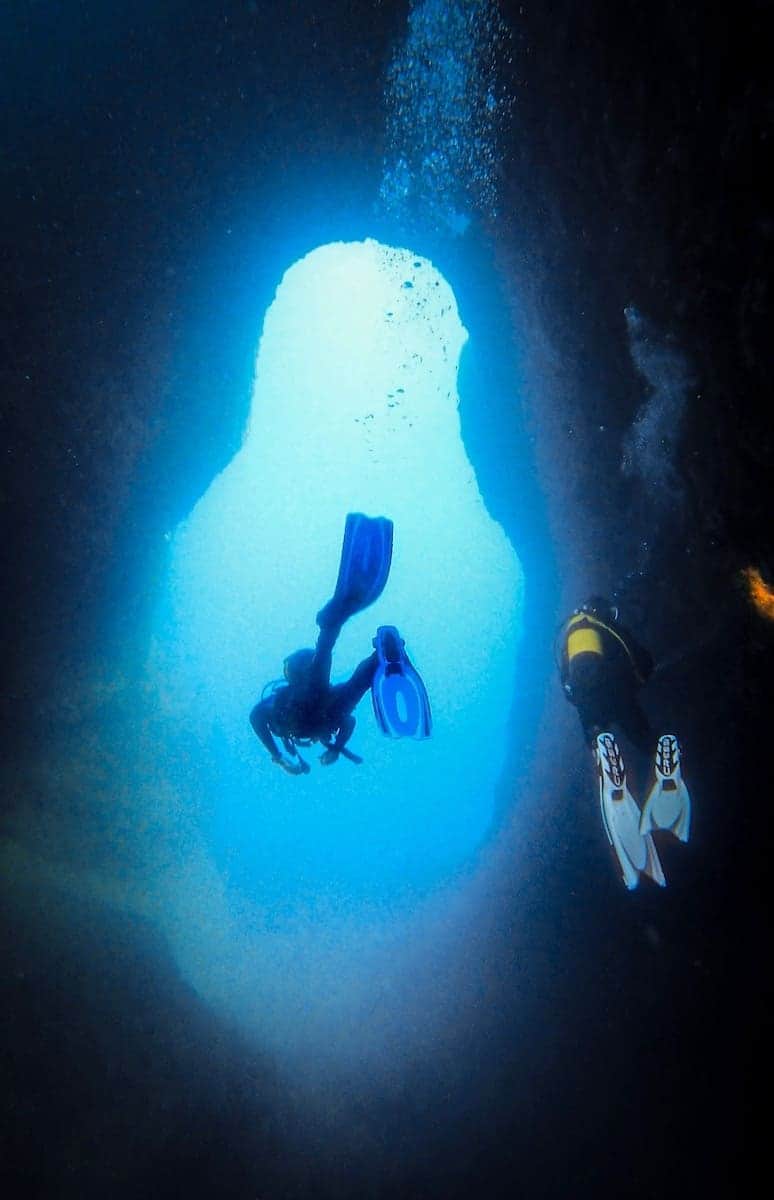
(312, 709)
(603, 682)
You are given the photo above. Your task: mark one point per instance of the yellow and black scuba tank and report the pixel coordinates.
(582, 636)
(584, 633)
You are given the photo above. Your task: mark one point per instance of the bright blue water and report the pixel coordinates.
(286, 898)
(355, 408)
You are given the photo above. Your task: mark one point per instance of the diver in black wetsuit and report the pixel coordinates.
(602, 667)
(308, 708)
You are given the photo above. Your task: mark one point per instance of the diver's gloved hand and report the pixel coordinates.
(293, 766)
(329, 757)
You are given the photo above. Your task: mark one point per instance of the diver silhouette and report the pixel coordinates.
(602, 667)
(305, 707)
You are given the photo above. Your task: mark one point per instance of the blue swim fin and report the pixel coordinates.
(401, 704)
(366, 555)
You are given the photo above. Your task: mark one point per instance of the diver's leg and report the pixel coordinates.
(590, 695)
(591, 726)
(323, 654)
(344, 697)
(349, 694)
(636, 725)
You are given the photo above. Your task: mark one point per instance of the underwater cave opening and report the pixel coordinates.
(355, 407)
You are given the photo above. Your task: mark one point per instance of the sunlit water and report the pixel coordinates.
(354, 408)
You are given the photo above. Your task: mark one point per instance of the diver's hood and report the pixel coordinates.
(297, 665)
(601, 608)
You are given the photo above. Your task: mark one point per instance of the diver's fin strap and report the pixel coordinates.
(668, 805)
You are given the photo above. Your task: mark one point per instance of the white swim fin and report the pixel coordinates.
(635, 851)
(668, 805)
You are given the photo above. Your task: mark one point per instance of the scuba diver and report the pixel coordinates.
(602, 667)
(305, 707)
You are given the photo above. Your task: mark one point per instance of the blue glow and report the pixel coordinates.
(354, 408)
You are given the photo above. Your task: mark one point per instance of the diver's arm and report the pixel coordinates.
(259, 719)
(346, 729)
(344, 733)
